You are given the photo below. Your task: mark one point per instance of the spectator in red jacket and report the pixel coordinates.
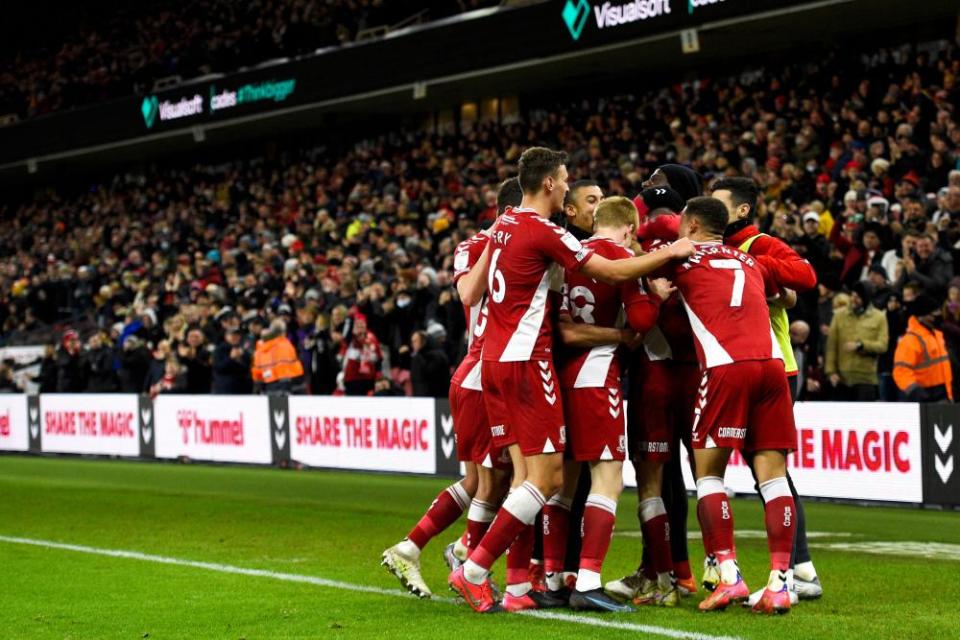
(361, 357)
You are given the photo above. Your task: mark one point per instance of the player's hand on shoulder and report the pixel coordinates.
(682, 248)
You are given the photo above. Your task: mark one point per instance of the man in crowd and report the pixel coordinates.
(857, 339)
(231, 365)
(361, 357)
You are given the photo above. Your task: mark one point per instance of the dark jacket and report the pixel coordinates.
(49, 375)
(134, 364)
(155, 371)
(230, 376)
(71, 373)
(324, 365)
(101, 378)
(430, 371)
(199, 372)
(933, 274)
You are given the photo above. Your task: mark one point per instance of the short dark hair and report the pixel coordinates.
(576, 186)
(509, 195)
(536, 163)
(710, 212)
(742, 191)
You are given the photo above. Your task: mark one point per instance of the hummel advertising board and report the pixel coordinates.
(214, 428)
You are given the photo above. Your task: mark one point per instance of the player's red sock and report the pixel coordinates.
(780, 514)
(599, 516)
(716, 518)
(556, 528)
(444, 511)
(518, 558)
(518, 511)
(656, 533)
(479, 517)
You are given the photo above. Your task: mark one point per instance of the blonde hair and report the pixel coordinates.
(615, 212)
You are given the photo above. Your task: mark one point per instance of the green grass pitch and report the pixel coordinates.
(334, 526)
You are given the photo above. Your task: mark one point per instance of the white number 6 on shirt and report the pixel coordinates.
(736, 298)
(495, 277)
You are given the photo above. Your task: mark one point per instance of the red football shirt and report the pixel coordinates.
(725, 294)
(523, 247)
(597, 303)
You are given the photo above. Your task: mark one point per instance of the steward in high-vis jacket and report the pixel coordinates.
(276, 367)
(921, 364)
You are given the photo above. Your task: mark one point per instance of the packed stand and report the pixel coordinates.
(127, 50)
(171, 278)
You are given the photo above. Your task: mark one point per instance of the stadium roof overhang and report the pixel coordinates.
(616, 65)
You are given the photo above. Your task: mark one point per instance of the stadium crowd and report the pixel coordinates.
(129, 47)
(168, 279)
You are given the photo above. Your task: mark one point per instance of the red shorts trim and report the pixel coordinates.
(471, 430)
(745, 405)
(596, 423)
(524, 406)
(662, 398)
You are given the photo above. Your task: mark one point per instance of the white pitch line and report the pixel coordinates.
(347, 586)
(748, 534)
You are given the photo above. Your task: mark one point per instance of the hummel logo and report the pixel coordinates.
(943, 439)
(446, 423)
(447, 445)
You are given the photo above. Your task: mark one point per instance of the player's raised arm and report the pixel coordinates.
(473, 285)
(617, 271)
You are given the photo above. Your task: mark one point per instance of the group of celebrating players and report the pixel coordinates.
(697, 321)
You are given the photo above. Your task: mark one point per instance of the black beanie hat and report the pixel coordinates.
(922, 306)
(684, 180)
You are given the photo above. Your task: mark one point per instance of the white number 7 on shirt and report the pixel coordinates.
(736, 298)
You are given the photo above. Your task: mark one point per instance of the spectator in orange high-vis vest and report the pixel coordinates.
(276, 367)
(921, 363)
